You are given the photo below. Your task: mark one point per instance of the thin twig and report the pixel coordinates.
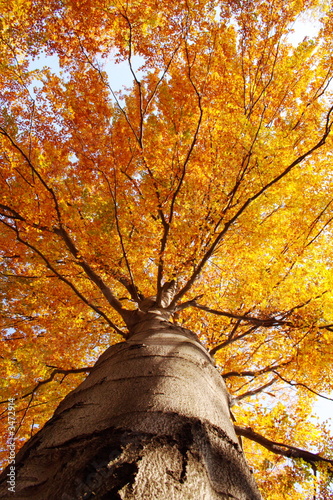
(300, 384)
(247, 394)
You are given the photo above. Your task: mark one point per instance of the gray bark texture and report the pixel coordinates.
(150, 422)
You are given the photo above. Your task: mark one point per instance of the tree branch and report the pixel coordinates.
(247, 394)
(34, 170)
(12, 213)
(96, 67)
(280, 448)
(53, 374)
(129, 285)
(251, 199)
(167, 224)
(65, 280)
(137, 82)
(106, 291)
(252, 373)
(51, 377)
(300, 384)
(232, 339)
(266, 322)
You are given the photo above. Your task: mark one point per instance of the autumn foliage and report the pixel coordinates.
(213, 167)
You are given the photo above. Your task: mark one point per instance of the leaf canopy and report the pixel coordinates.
(212, 167)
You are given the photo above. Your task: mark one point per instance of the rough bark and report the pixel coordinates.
(150, 422)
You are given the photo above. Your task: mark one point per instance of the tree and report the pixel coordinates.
(196, 200)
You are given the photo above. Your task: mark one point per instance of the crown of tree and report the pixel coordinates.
(202, 191)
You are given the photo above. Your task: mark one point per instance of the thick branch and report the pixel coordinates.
(69, 243)
(280, 448)
(89, 271)
(327, 327)
(130, 287)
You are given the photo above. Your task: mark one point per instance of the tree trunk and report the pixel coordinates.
(150, 422)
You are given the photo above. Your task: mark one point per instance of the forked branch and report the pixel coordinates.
(64, 279)
(35, 171)
(251, 199)
(167, 223)
(248, 394)
(92, 275)
(13, 216)
(86, 369)
(231, 339)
